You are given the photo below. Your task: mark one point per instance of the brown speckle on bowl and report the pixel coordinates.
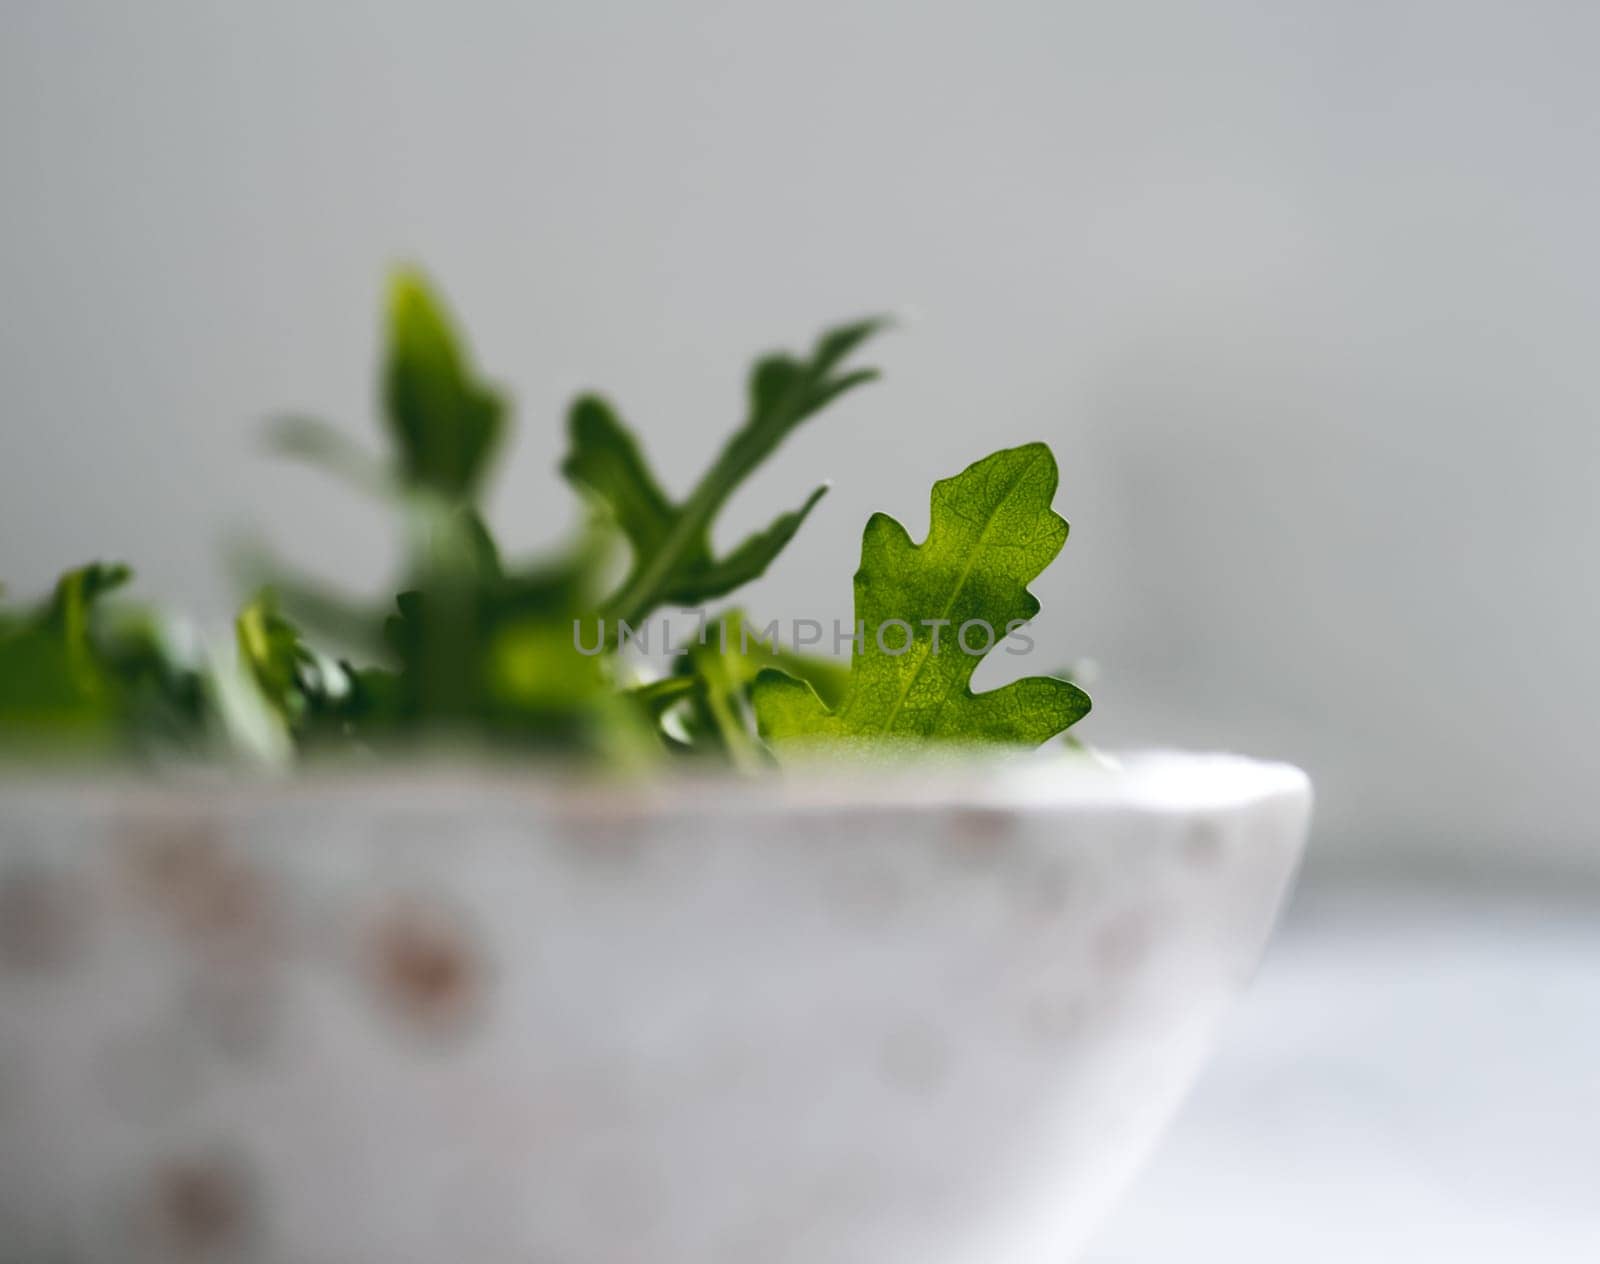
(216, 899)
(162, 851)
(425, 966)
(200, 1208)
(976, 834)
(229, 905)
(604, 835)
(43, 919)
(1043, 893)
(1121, 945)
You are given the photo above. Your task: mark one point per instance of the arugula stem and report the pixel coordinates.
(641, 593)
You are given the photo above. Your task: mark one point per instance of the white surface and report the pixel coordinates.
(1415, 1079)
(1304, 293)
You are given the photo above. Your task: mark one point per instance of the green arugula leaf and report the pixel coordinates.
(317, 443)
(673, 559)
(50, 673)
(271, 648)
(720, 666)
(43, 692)
(446, 421)
(161, 685)
(70, 672)
(477, 645)
(991, 531)
(68, 614)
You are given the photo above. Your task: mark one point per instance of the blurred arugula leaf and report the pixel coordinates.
(991, 531)
(72, 672)
(471, 643)
(446, 422)
(317, 443)
(272, 649)
(313, 697)
(714, 675)
(51, 678)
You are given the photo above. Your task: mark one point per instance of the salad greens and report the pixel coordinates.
(541, 653)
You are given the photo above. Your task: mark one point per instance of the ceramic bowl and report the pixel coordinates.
(441, 1015)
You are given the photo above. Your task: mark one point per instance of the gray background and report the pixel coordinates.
(1303, 295)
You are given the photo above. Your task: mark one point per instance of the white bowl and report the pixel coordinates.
(444, 1016)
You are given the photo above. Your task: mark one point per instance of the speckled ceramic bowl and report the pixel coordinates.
(466, 1017)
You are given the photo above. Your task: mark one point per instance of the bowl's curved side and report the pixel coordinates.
(473, 1022)
(1211, 893)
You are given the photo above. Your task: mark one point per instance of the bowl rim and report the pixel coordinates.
(1157, 781)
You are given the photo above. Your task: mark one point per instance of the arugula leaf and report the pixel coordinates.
(478, 645)
(446, 422)
(277, 659)
(161, 682)
(315, 442)
(69, 672)
(991, 531)
(673, 559)
(50, 674)
(43, 691)
(720, 667)
(473, 643)
(67, 616)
